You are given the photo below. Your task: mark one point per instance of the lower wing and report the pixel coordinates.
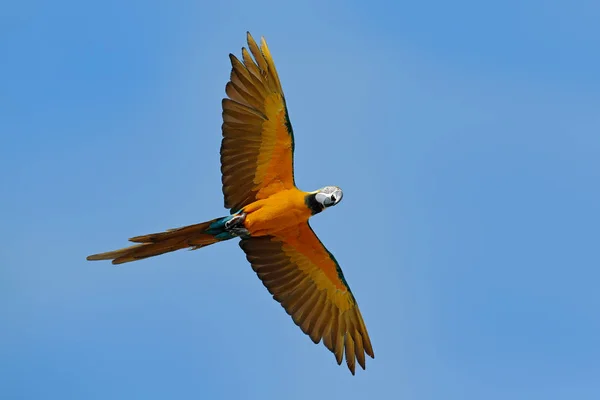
(306, 279)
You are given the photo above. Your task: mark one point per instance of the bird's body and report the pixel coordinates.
(270, 214)
(279, 212)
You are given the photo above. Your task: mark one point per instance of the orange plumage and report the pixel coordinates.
(280, 211)
(270, 214)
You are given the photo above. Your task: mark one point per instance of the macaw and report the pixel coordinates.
(270, 214)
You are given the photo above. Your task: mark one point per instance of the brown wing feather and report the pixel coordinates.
(257, 147)
(296, 271)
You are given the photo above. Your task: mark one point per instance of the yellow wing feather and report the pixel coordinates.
(258, 144)
(305, 278)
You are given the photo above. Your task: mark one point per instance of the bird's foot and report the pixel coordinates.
(235, 225)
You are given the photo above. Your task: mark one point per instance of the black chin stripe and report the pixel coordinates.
(312, 203)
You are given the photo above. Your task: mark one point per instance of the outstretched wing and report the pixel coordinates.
(258, 144)
(306, 279)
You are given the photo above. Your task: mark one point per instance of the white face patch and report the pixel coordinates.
(329, 196)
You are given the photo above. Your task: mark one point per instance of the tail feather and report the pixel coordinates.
(194, 236)
(186, 231)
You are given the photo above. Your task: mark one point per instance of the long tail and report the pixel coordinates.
(194, 236)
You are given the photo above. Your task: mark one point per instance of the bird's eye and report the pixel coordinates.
(333, 198)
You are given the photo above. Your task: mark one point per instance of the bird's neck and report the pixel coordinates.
(311, 202)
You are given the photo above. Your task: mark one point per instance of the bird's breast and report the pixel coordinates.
(276, 213)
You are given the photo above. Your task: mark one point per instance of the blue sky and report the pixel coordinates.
(466, 138)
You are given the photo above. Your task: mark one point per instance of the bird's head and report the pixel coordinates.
(324, 198)
(329, 196)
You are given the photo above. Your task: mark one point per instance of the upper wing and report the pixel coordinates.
(306, 279)
(258, 144)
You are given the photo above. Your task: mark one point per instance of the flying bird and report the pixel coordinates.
(270, 214)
